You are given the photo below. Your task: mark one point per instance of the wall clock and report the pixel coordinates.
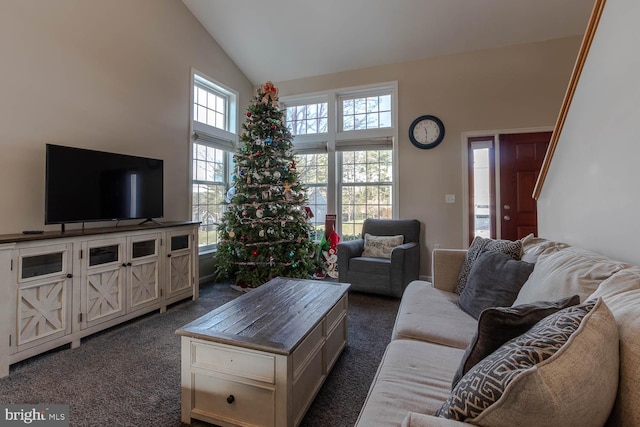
(426, 132)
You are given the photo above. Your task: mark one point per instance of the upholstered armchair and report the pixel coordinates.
(369, 267)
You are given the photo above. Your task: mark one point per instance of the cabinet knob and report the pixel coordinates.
(128, 264)
(230, 399)
(69, 276)
(169, 256)
(124, 264)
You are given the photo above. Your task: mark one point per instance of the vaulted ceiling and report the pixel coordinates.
(282, 40)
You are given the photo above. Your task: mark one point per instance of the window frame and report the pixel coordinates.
(213, 137)
(336, 140)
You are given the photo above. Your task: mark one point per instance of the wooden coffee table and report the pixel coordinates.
(260, 359)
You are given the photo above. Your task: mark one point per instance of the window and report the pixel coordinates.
(366, 112)
(313, 170)
(345, 153)
(365, 189)
(213, 123)
(307, 119)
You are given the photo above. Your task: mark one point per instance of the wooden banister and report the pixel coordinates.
(598, 7)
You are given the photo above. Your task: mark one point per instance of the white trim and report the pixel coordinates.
(465, 173)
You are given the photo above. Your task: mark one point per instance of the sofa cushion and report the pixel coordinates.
(479, 245)
(621, 293)
(412, 376)
(570, 271)
(563, 371)
(494, 281)
(380, 246)
(430, 314)
(498, 325)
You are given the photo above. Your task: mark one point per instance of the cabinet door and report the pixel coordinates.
(180, 263)
(102, 289)
(142, 271)
(44, 277)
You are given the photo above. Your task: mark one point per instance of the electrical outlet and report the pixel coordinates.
(450, 198)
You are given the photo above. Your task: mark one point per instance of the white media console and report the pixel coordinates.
(56, 288)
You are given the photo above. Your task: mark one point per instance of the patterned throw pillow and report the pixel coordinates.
(497, 325)
(380, 246)
(563, 371)
(479, 245)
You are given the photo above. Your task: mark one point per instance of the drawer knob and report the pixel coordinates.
(231, 399)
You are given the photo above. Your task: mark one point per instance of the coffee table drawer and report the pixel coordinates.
(243, 363)
(334, 314)
(233, 401)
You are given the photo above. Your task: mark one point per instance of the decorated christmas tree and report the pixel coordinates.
(264, 232)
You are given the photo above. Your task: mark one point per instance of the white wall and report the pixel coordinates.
(591, 196)
(107, 75)
(515, 87)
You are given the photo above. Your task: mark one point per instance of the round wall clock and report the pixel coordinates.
(426, 132)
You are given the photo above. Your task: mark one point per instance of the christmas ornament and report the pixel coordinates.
(259, 213)
(232, 234)
(261, 233)
(244, 213)
(268, 140)
(277, 175)
(291, 254)
(254, 252)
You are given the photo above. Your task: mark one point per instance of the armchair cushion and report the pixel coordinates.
(380, 246)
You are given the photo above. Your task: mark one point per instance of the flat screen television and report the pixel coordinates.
(86, 185)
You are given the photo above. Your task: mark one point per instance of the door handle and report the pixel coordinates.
(507, 207)
(507, 218)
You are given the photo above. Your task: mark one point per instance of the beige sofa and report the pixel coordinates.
(431, 334)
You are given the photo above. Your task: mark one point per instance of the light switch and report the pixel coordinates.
(450, 198)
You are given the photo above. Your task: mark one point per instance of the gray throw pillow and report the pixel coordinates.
(480, 245)
(494, 281)
(497, 325)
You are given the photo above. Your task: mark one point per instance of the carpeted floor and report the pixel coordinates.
(129, 375)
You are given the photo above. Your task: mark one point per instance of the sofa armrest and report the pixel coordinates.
(415, 419)
(446, 265)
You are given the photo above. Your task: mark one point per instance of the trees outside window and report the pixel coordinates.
(347, 164)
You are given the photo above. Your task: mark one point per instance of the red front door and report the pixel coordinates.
(521, 157)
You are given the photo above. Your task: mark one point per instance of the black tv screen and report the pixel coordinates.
(87, 185)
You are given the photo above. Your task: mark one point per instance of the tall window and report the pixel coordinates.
(365, 189)
(214, 110)
(344, 139)
(313, 170)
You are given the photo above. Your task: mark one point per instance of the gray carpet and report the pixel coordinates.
(129, 375)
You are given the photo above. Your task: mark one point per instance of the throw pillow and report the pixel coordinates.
(380, 246)
(563, 371)
(479, 245)
(497, 325)
(569, 271)
(494, 281)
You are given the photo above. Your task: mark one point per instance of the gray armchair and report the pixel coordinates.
(381, 275)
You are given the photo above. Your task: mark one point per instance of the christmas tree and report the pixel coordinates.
(264, 232)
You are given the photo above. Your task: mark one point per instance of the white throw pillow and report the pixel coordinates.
(570, 271)
(380, 246)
